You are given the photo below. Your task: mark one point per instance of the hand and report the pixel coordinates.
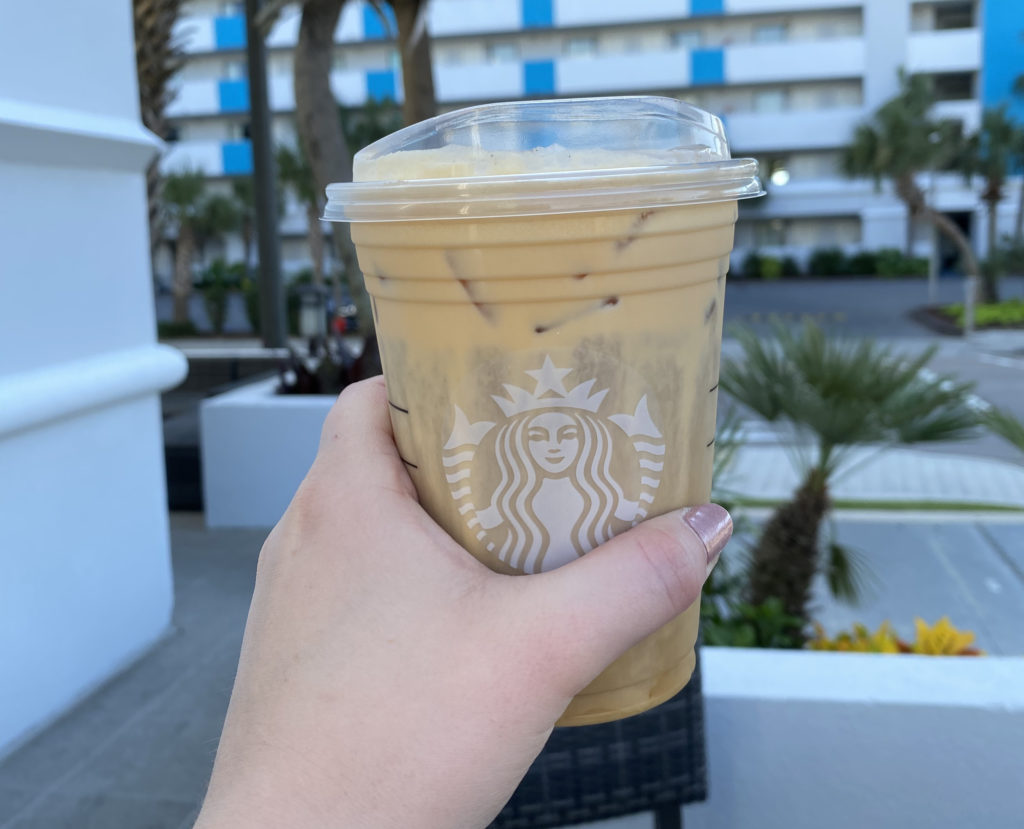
(387, 678)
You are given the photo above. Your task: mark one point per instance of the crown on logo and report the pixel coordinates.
(549, 379)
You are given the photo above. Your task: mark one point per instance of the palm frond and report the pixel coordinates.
(847, 392)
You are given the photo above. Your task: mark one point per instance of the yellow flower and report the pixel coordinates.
(942, 639)
(861, 640)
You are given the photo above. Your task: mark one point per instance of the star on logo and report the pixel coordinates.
(549, 378)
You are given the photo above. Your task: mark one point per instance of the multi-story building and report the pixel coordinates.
(790, 78)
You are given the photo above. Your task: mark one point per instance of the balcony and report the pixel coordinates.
(623, 73)
(756, 132)
(954, 50)
(795, 61)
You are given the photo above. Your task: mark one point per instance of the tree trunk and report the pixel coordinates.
(911, 195)
(908, 231)
(952, 231)
(316, 116)
(786, 558)
(420, 101)
(315, 238)
(182, 288)
(990, 273)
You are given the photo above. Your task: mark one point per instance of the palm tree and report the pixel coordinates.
(419, 101)
(200, 219)
(989, 154)
(369, 123)
(296, 174)
(218, 214)
(158, 56)
(1004, 424)
(899, 142)
(836, 395)
(182, 196)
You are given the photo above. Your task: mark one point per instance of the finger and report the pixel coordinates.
(357, 434)
(624, 590)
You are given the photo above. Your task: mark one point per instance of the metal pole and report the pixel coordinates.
(264, 173)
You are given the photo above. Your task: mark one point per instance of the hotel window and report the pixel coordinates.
(687, 39)
(770, 33)
(770, 100)
(576, 47)
(503, 52)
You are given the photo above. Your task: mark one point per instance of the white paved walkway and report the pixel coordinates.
(870, 474)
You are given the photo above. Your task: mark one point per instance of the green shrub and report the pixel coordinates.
(790, 267)
(751, 267)
(894, 262)
(864, 263)
(172, 330)
(1006, 314)
(828, 262)
(771, 268)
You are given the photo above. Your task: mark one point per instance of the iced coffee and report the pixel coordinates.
(547, 282)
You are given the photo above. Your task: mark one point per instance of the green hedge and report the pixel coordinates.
(1006, 314)
(886, 262)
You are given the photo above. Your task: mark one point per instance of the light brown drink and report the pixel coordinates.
(553, 381)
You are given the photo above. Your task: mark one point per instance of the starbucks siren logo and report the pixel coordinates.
(554, 477)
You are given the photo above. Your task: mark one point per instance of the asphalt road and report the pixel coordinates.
(852, 306)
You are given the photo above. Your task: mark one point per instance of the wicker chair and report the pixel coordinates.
(653, 762)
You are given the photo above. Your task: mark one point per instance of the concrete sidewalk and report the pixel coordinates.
(869, 474)
(138, 752)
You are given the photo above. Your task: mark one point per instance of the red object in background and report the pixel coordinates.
(340, 325)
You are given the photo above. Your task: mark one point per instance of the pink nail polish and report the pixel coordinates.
(713, 525)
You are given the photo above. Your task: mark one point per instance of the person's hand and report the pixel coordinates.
(387, 678)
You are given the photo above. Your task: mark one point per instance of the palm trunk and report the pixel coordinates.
(786, 558)
(153, 180)
(320, 131)
(420, 101)
(952, 231)
(908, 241)
(182, 288)
(315, 238)
(990, 273)
(911, 195)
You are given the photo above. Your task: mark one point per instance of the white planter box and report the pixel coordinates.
(806, 739)
(256, 448)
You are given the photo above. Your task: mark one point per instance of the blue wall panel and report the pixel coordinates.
(704, 7)
(537, 14)
(234, 95)
(229, 32)
(707, 66)
(236, 157)
(539, 77)
(373, 26)
(380, 86)
(1003, 55)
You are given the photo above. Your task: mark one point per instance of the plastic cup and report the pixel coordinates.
(547, 281)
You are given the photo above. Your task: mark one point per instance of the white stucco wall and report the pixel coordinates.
(804, 740)
(85, 580)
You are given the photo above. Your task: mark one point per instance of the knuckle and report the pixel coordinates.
(673, 566)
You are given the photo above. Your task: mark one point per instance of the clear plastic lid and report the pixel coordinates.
(532, 158)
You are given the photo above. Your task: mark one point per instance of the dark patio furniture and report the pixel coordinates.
(653, 762)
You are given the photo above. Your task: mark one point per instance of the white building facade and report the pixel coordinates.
(790, 78)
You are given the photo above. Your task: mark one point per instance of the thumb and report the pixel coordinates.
(624, 590)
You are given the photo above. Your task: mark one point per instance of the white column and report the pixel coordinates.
(85, 579)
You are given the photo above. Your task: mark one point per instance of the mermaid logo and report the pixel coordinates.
(553, 478)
